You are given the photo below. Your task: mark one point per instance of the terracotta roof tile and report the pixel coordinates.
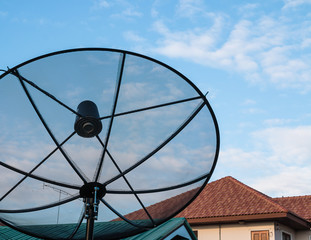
(301, 205)
(164, 208)
(229, 197)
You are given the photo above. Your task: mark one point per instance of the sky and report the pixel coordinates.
(252, 57)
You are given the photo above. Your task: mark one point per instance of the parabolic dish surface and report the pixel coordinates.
(157, 149)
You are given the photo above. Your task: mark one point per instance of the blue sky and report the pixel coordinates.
(253, 57)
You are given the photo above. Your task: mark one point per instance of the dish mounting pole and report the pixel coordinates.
(92, 193)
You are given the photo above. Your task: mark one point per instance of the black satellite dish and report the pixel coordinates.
(92, 136)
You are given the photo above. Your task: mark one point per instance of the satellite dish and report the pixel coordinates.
(90, 135)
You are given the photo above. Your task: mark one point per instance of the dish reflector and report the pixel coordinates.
(142, 133)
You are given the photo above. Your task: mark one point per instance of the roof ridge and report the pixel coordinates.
(301, 196)
(268, 198)
(295, 207)
(259, 194)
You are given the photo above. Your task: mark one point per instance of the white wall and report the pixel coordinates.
(233, 231)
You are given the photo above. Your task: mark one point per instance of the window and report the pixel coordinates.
(260, 235)
(286, 236)
(196, 233)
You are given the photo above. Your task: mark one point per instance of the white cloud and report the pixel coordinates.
(248, 7)
(121, 9)
(128, 13)
(200, 46)
(192, 44)
(103, 3)
(263, 50)
(3, 14)
(277, 122)
(248, 102)
(254, 110)
(295, 3)
(278, 161)
(289, 181)
(285, 71)
(131, 13)
(287, 145)
(100, 4)
(132, 36)
(189, 8)
(306, 43)
(234, 158)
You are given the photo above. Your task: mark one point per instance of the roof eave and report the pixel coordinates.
(283, 217)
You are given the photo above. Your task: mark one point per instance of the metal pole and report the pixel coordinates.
(60, 193)
(91, 193)
(90, 228)
(90, 219)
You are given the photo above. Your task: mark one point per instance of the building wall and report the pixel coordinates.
(234, 231)
(295, 235)
(243, 231)
(303, 235)
(279, 229)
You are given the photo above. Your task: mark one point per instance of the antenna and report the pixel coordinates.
(60, 191)
(113, 133)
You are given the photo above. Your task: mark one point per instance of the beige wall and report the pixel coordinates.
(233, 231)
(243, 231)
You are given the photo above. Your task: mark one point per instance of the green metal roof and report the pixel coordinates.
(164, 230)
(157, 233)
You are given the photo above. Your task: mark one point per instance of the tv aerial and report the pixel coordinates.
(117, 131)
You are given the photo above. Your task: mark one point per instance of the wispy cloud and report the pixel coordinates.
(286, 144)
(249, 102)
(282, 157)
(248, 7)
(3, 14)
(128, 12)
(189, 8)
(289, 181)
(134, 37)
(295, 3)
(100, 4)
(118, 9)
(191, 44)
(263, 49)
(278, 122)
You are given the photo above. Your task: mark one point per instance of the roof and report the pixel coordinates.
(228, 200)
(301, 205)
(159, 209)
(229, 197)
(164, 230)
(157, 233)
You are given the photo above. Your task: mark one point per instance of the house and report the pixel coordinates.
(227, 210)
